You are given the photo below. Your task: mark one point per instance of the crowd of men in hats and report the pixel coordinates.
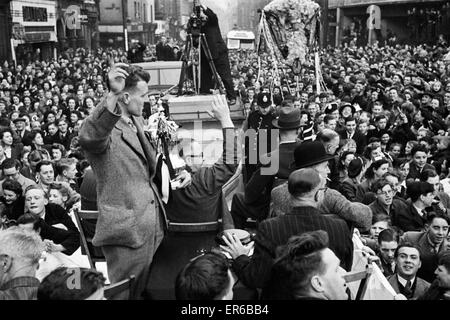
(368, 156)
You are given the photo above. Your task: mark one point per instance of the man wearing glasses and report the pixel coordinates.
(307, 188)
(385, 203)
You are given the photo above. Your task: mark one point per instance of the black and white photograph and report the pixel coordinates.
(250, 151)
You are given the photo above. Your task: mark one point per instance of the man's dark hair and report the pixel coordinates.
(135, 74)
(349, 119)
(300, 259)
(44, 163)
(434, 215)
(379, 117)
(388, 235)
(27, 218)
(12, 185)
(406, 245)
(10, 163)
(64, 164)
(55, 285)
(328, 118)
(381, 217)
(35, 155)
(204, 278)
(417, 188)
(379, 184)
(418, 148)
(428, 173)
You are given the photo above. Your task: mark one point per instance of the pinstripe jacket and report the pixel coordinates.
(20, 288)
(254, 271)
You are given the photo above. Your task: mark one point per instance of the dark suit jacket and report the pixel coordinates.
(427, 255)
(213, 36)
(414, 171)
(359, 139)
(20, 288)
(409, 220)
(418, 288)
(16, 151)
(261, 184)
(254, 271)
(348, 189)
(203, 200)
(70, 238)
(64, 140)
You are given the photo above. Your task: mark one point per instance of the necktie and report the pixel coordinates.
(408, 291)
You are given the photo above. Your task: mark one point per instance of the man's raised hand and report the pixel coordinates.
(221, 111)
(117, 76)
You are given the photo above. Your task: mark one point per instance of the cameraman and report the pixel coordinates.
(219, 52)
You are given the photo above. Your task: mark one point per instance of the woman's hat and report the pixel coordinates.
(354, 168)
(347, 105)
(264, 100)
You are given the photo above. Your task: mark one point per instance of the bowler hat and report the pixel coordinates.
(310, 153)
(354, 168)
(289, 118)
(264, 100)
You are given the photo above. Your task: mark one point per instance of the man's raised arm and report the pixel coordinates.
(96, 129)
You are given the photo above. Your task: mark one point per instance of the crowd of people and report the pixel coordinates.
(367, 157)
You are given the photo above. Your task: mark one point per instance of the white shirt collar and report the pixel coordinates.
(286, 142)
(419, 211)
(404, 281)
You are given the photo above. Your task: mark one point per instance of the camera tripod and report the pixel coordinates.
(194, 60)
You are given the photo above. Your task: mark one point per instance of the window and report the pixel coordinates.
(145, 12)
(35, 14)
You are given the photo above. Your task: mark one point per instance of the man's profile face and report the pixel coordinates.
(136, 99)
(334, 285)
(408, 262)
(443, 277)
(333, 146)
(435, 181)
(387, 250)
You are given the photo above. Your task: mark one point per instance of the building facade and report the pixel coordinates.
(77, 24)
(408, 21)
(111, 31)
(5, 32)
(33, 30)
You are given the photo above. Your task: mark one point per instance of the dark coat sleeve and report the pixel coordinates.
(70, 238)
(255, 271)
(348, 191)
(217, 175)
